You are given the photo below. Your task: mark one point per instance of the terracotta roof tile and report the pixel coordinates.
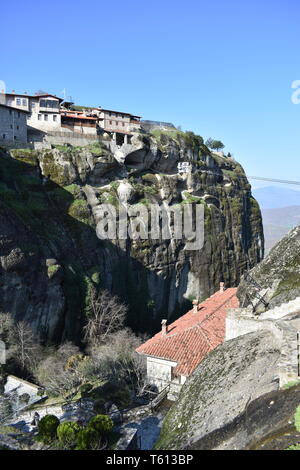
(190, 338)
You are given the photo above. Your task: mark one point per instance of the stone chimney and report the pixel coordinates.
(164, 327)
(195, 305)
(222, 288)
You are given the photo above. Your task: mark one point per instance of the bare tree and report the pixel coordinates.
(6, 323)
(22, 347)
(25, 345)
(116, 359)
(53, 372)
(107, 316)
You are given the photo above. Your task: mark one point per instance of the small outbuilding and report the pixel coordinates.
(175, 352)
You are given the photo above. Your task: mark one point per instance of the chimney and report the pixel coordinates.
(222, 288)
(195, 305)
(164, 327)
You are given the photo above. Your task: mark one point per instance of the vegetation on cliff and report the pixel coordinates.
(47, 214)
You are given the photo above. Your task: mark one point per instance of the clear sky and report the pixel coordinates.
(221, 68)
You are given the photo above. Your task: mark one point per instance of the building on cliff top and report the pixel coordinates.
(43, 110)
(13, 125)
(51, 120)
(175, 352)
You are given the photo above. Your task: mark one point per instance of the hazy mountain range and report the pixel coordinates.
(280, 210)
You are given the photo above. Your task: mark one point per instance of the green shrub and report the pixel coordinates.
(118, 393)
(295, 447)
(67, 433)
(102, 424)
(290, 384)
(85, 389)
(87, 438)
(297, 419)
(99, 407)
(47, 428)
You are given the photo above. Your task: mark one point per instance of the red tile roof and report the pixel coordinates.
(76, 116)
(190, 338)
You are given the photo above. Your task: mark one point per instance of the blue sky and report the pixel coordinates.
(222, 68)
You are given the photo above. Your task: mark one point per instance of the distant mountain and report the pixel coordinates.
(278, 222)
(274, 197)
(283, 216)
(280, 207)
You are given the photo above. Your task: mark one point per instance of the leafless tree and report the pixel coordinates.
(21, 344)
(6, 323)
(25, 345)
(107, 315)
(116, 359)
(53, 372)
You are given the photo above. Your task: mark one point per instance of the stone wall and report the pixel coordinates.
(13, 127)
(159, 371)
(44, 141)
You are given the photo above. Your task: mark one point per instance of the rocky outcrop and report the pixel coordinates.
(50, 253)
(277, 277)
(232, 400)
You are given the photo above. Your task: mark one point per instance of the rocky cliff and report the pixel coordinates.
(232, 400)
(50, 253)
(276, 278)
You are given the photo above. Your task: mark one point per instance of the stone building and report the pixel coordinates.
(13, 125)
(119, 125)
(43, 110)
(117, 121)
(175, 352)
(78, 122)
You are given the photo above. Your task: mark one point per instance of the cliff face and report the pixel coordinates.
(50, 253)
(277, 276)
(232, 400)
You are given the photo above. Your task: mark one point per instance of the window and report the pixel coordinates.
(54, 117)
(15, 137)
(17, 128)
(123, 123)
(110, 122)
(24, 102)
(46, 117)
(10, 112)
(11, 126)
(18, 101)
(3, 135)
(39, 117)
(32, 105)
(48, 103)
(19, 114)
